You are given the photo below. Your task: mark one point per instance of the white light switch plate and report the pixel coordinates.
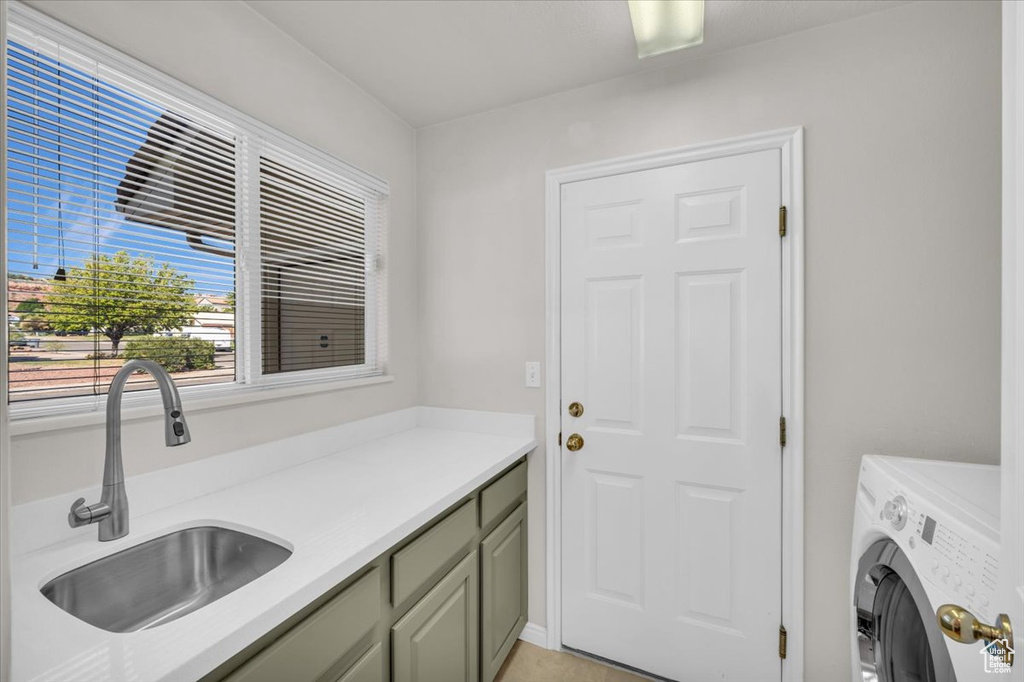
(533, 375)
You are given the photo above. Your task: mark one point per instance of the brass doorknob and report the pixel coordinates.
(960, 625)
(575, 409)
(574, 442)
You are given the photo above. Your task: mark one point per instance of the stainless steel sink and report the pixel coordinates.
(163, 579)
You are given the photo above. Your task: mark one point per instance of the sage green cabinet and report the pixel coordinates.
(423, 559)
(437, 640)
(336, 630)
(502, 495)
(369, 668)
(445, 604)
(503, 591)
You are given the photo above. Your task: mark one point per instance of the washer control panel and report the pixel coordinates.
(964, 566)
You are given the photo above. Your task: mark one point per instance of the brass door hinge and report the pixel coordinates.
(782, 221)
(782, 641)
(782, 431)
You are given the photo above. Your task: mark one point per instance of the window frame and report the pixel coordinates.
(253, 138)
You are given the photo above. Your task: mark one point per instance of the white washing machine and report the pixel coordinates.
(925, 533)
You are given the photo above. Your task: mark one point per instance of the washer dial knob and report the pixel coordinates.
(895, 512)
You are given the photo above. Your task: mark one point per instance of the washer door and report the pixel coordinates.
(897, 635)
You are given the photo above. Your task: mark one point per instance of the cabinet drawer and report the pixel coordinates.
(422, 559)
(369, 668)
(307, 650)
(501, 495)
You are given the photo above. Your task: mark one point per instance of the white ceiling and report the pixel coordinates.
(431, 61)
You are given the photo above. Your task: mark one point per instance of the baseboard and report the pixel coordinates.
(535, 634)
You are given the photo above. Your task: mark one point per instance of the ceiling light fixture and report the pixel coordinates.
(662, 26)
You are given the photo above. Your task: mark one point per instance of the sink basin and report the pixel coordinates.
(163, 579)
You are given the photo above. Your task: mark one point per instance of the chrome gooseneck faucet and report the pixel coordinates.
(111, 512)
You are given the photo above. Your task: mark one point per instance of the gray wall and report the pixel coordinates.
(230, 52)
(902, 164)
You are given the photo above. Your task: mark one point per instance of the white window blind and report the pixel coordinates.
(147, 220)
(318, 268)
(120, 209)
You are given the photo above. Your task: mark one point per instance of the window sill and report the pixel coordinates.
(146, 408)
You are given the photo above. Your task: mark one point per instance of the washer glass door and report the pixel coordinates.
(898, 637)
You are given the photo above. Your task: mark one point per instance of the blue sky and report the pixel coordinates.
(69, 140)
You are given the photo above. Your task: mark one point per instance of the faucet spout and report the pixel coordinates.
(111, 512)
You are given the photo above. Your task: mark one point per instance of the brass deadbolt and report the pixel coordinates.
(574, 442)
(575, 409)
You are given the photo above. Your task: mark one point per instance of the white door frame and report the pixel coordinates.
(1012, 446)
(789, 142)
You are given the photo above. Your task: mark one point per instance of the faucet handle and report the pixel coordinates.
(81, 515)
(78, 518)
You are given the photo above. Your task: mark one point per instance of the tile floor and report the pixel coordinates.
(529, 663)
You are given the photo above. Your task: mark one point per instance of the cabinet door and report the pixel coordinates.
(503, 590)
(436, 641)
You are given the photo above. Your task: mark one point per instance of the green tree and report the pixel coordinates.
(34, 323)
(30, 305)
(119, 295)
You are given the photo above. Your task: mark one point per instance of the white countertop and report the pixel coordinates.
(336, 512)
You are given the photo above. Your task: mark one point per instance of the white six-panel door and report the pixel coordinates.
(671, 341)
(1010, 600)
